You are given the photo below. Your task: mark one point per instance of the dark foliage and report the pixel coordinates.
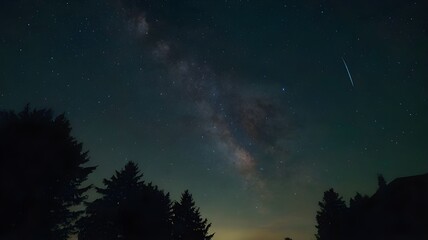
(331, 216)
(187, 221)
(381, 182)
(128, 209)
(41, 172)
(398, 210)
(355, 214)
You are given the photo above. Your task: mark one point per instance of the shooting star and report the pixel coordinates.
(349, 73)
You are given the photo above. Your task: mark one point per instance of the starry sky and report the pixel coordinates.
(246, 103)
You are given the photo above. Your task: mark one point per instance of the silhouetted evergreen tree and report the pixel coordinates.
(381, 182)
(398, 210)
(355, 217)
(331, 217)
(41, 172)
(187, 221)
(128, 209)
(358, 201)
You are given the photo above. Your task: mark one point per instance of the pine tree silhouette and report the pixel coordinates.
(381, 182)
(356, 214)
(187, 221)
(128, 209)
(398, 210)
(358, 201)
(41, 174)
(331, 217)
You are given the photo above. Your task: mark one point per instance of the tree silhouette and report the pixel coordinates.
(398, 210)
(187, 221)
(356, 214)
(41, 174)
(358, 201)
(381, 182)
(331, 217)
(128, 209)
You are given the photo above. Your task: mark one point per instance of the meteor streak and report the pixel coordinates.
(349, 73)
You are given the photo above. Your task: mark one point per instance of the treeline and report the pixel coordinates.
(42, 172)
(334, 219)
(398, 210)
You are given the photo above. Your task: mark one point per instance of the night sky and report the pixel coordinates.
(248, 104)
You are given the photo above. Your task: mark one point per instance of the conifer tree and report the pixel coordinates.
(128, 209)
(187, 221)
(41, 173)
(381, 182)
(331, 217)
